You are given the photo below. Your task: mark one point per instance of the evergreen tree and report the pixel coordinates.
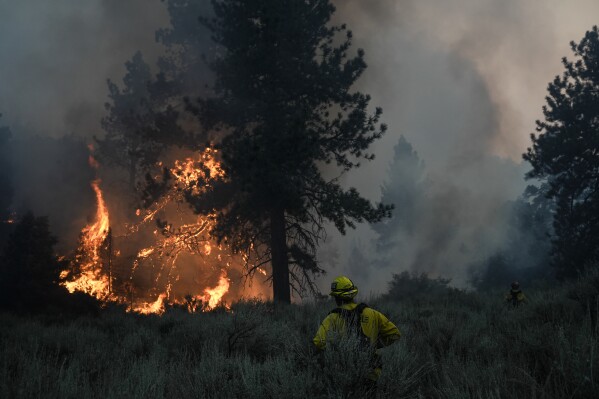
(144, 116)
(29, 268)
(405, 189)
(565, 155)
(142, 121)
(283, 99)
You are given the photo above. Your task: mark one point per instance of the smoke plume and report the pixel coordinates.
(462, 81)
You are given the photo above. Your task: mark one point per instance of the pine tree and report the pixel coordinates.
(405, 189)
(29, 268)
(141, 122)
(283, 98)
(565, 155)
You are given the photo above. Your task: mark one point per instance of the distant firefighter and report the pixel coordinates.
(373, 329)
(515, 297)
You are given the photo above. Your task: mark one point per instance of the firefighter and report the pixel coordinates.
(373, 329)
(515, 297)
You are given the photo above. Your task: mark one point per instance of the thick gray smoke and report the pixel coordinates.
(463, 81)
(55, 58)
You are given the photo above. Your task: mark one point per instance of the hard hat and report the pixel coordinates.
(343, 288)
(515, 285)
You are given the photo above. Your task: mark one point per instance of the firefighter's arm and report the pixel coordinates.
(388, 332)
(320, 339)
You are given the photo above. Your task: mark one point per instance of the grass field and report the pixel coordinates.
(454, 345)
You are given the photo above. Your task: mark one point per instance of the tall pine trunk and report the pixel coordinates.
(280, 262)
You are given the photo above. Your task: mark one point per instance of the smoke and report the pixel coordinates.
(463, 81)
(57, 56)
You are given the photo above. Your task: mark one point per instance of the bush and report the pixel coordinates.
(466, 345)
(418, 288)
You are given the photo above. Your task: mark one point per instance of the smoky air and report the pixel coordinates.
(460, 84)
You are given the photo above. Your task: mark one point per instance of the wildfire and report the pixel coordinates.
(91, 269)
(213, 296)
(91, 279)
(154, 307)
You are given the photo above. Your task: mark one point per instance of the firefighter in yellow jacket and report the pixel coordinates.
(373, 327)
(515, 297)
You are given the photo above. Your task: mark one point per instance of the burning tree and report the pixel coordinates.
(144, 118)
(284, 103)
(93, 267)
(282, 110)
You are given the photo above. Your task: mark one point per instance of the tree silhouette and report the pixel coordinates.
(283, 99)
(29, 268)
(141, 122)
(144, 115)
(405, 189)
(565, 155)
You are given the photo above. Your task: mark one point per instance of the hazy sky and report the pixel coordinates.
(463, 80)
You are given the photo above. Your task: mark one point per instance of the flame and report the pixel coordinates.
(213, 296)
(91, 279)
(97, 232)
(87, 271)
(144, 253)
(154, 307)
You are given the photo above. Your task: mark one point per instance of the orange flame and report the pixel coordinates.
(154, 307)
(213, 296)
(91, 279)
(192, 238)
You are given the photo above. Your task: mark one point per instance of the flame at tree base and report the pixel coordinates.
(209, 300)
(91, 268)
(90, 278)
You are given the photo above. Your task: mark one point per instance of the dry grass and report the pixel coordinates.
(454, 345)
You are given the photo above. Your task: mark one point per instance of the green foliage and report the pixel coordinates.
(449, 349)
(418, 288)
(281, 107)
(565, 155)
(285, 105)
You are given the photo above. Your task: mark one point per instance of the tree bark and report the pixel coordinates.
(280, 262)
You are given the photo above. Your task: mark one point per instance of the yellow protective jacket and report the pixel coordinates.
(515, 297)
(375, 326)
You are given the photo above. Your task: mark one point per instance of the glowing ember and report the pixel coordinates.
(144, 253)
